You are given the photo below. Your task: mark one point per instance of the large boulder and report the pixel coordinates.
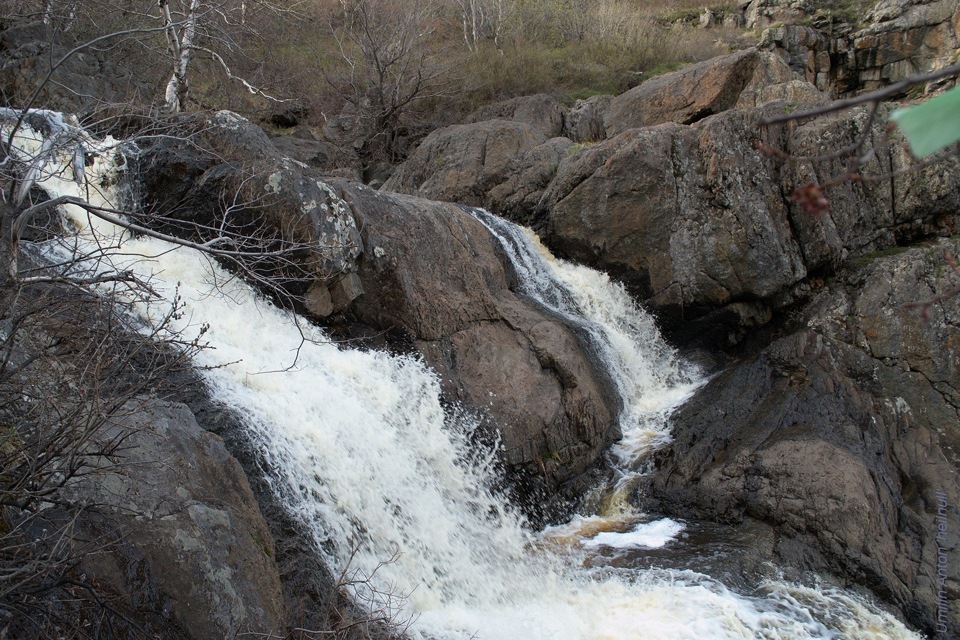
(702, 227)
(843, 437)
(462, 162)
(541, 111)
(435, 279)
(181, 537)
(227, 179)
(679, 214)
(684, 96)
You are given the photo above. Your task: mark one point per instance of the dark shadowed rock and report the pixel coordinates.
(843, 437)
(684, 96)
(84, 82)
(433, 276)
(584, 121)
(315, 153)
(182, 536)
(541, 111)
(460, 163)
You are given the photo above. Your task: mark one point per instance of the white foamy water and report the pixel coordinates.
(649, 378)
(360, 450)
(648, 535)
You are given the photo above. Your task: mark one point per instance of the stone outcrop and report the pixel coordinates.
(434, 278)
(541, 111)
(242, 183)
(904, 38)
(843, 437)
(694, 218)
(762, 13)
(700, 225)
(842, 51)
(684, 96)
(182, 537)
(85, 82)
(461, 163)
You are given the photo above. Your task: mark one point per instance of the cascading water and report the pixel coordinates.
(650, 379)
(361, 451)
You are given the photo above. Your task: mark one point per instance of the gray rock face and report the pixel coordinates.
(677, 214)
(842, 51)
(83, 83)
(541, 111)
(434, 276)
(182, 535)
(242, 183)
(903, 38)
(684, 96)
(461, 163)
(701, 226)
(843, 437)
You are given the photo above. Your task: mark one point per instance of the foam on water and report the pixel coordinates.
(650, 378)
(648, 535)
(360, 449)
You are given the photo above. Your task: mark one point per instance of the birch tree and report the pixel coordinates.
(483, 20)
(193, 27)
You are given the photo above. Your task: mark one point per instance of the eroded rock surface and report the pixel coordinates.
(701, 225)
(843, 437)
(181, 534)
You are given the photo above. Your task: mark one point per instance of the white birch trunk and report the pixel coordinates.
(181, 46)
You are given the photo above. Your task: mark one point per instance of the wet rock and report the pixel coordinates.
(843, 437)
(434, 278)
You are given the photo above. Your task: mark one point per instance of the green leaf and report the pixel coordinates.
(931, 125)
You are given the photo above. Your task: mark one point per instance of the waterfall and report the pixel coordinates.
(650, 379)
(360, 450)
